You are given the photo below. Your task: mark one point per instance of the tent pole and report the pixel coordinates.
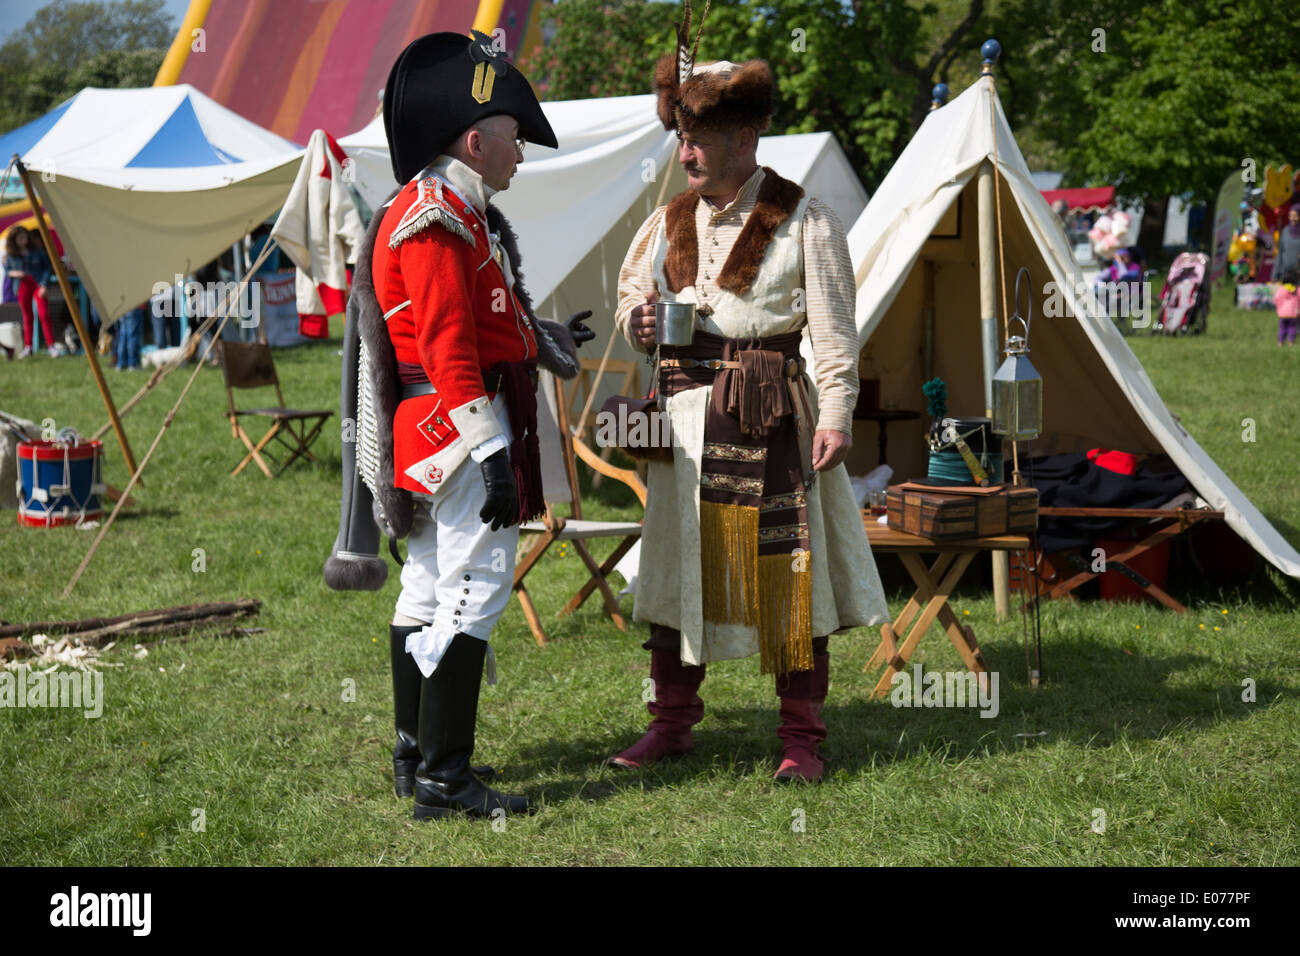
(82, 333)
(988, 339)
(928, 311)
(990, 245)
(988, 283)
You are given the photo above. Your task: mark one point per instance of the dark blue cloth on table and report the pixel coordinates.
(1072, 481)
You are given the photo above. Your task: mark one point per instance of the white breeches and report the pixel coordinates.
(458, 572)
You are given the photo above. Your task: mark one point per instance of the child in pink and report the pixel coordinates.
(1287, 301)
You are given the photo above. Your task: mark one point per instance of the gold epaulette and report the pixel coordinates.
(429, 207)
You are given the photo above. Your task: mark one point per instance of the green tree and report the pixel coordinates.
(833, 61)
(598, 48)
(117, 69)
(950, 33)
(67, 46)
(1159, 99)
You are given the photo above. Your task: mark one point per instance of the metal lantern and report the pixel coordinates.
(1017, 386)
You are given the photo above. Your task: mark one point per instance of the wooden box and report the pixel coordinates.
(933, 511)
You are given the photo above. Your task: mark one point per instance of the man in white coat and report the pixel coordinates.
(753, 541)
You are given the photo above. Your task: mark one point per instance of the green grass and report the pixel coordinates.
(1142, 717)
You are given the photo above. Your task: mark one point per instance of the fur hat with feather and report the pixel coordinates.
(721, 94)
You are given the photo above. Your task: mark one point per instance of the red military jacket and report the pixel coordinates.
(441, 283)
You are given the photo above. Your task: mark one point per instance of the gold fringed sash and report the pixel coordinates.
(729, 552)
(755, 560)
(785, 613)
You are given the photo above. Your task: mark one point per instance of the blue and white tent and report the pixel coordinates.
(145, 184)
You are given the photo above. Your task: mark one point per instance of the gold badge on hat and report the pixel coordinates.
(484, 52)
(483, 82)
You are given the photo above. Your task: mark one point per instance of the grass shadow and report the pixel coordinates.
(138, 513)
(1092, 701)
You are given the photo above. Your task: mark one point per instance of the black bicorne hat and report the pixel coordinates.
(444, 83)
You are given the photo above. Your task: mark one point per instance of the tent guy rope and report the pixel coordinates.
(224, 312)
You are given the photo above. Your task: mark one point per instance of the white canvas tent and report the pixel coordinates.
(1095, 391)
(145, 184)
(577, 208)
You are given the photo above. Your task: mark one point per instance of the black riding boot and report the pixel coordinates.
(444, 782)
(406, 711)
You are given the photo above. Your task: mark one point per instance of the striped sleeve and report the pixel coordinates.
(636, 277)
(830, 300)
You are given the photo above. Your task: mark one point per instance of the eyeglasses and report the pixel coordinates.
(519, 141)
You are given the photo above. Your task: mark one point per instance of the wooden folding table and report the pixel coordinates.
(934, 584)
(1176, 522)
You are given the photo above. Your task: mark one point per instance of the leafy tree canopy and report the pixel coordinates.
(67, 46)
(1158, 98)
(832, 61)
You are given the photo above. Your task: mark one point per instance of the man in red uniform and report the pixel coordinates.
(452, 350)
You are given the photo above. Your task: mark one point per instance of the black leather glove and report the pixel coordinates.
(502, 506)
(579, 331)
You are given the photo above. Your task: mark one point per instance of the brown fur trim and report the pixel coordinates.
(777, 199)
(666, 89)
(742, 98)
(683, 258)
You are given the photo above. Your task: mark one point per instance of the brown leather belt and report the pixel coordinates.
(793, 367)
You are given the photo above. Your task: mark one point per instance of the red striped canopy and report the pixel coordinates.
(293, 66)
(1097, 197)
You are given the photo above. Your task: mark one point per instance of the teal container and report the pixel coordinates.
(950, 468)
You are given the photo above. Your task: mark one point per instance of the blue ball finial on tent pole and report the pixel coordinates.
(938, 95)
(991, 49)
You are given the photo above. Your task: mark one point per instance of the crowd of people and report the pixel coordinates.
(165, 320)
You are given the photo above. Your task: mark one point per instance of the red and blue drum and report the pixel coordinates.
(59, 483)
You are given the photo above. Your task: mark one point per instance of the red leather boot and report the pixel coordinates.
(802, 730)
(676, 709)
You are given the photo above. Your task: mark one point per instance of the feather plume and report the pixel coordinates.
(699, 33)
(685, 59)
(685, 50)
(937, 392)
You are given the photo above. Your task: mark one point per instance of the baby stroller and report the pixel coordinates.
(1185, 301)
(1120, 290)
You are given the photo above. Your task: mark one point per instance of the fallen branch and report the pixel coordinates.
(123, 623)
(103, 635)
